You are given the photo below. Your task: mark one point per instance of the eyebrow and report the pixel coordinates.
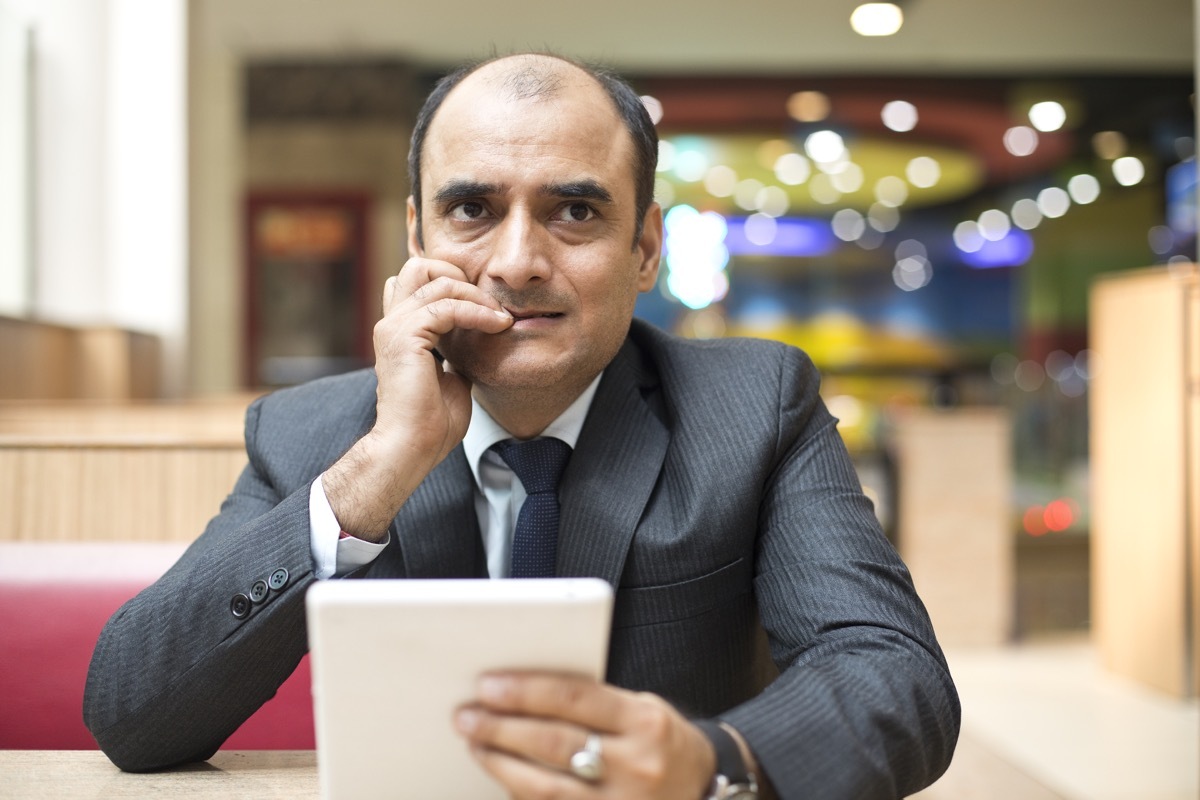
(578, 190)
(464, 190)
(459, 190)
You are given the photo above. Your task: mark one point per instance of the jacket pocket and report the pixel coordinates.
(651, 605)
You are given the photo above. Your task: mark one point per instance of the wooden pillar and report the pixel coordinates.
(955, 479)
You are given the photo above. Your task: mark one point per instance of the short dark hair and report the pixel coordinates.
(627, 102)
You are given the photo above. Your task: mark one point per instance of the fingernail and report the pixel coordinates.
(494, 688)
(502, 314)
(466, 720)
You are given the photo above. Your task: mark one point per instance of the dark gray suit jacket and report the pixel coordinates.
(709, 486)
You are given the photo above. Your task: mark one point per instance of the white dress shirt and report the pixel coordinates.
(498, 496)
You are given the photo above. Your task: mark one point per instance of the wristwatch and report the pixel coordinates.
(733, 780)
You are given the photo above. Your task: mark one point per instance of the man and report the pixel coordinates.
(706, 482)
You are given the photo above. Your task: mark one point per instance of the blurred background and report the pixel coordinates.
(200, 200)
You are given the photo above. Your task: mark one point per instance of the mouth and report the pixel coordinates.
(519, 316)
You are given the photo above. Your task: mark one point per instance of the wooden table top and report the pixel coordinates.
(258, 774)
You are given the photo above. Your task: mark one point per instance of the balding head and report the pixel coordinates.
(532, 76)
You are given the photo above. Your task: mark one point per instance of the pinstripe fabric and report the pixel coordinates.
(708, 485)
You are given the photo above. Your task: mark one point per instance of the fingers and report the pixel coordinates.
(431, 298)
(526, 727)
(543, 741)
(418, 275)
(586, 702)
(525, 780)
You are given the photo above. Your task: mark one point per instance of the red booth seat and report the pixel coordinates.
(54, 599)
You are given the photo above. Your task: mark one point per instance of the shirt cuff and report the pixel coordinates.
(335, 555)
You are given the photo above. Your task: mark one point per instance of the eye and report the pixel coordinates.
(468, 211)
(575, 212)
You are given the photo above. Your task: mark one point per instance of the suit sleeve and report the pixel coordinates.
(864, 706)
(180, 666)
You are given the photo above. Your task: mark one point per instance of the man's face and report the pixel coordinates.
(534, 200)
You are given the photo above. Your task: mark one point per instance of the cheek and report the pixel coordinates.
(470, 257)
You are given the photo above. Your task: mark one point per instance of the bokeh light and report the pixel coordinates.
(848, 225)
(1109, 145)
(760, 229)
(824, 146)
(923, 172)
(891, 191)
(1026, 214)
(666, 155)
(1020, 140)
(967, 236)
(653, 107)
(720, 181)
(1129, 170)
(696, 256)
(792, 169)
(664, 192)
(883, 218)
(690, 165)
(1084, 189)
(912, 273)
(1058, 516)
(1161, 239)
(822, 189)
(1047, 116)
(994, 224)
(877, 19)
(849, 179)
(745, 194)
(808, 106)
(899, 115)
(1053, 202)
(772, 201)
(1029, 376)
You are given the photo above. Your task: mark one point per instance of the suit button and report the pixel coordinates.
(278, 579)
(258, 592)
(240, 605)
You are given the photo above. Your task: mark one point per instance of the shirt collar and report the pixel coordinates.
(483, 431)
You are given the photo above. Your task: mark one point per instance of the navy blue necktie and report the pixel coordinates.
(538, 464)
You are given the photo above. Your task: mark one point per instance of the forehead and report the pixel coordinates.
(485, 130)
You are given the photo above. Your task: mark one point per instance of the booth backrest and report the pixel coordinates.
(96, 472)
(54, 600)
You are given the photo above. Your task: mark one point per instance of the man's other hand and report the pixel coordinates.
(525, 727)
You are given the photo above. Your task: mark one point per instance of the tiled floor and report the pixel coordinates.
(1044, 721)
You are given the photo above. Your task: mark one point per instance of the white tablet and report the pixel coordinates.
(392, 660)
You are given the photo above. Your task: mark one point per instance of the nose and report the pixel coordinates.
(520, 251)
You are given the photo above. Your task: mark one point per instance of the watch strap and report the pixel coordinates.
(733, 778)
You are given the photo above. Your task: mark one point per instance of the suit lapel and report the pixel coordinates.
(438, 529)
(614, 468)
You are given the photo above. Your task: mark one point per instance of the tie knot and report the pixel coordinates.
(539, 463)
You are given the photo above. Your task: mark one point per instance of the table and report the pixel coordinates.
(72, 774)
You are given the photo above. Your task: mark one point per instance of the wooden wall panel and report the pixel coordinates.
(39, 361)
(96, 493)
(955, 532)
(1143, 580)
(95, 472)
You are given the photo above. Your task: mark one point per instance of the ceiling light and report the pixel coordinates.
(1047, 116)
(877, 19)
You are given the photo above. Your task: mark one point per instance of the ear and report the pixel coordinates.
(649, 248)
(414, 230)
